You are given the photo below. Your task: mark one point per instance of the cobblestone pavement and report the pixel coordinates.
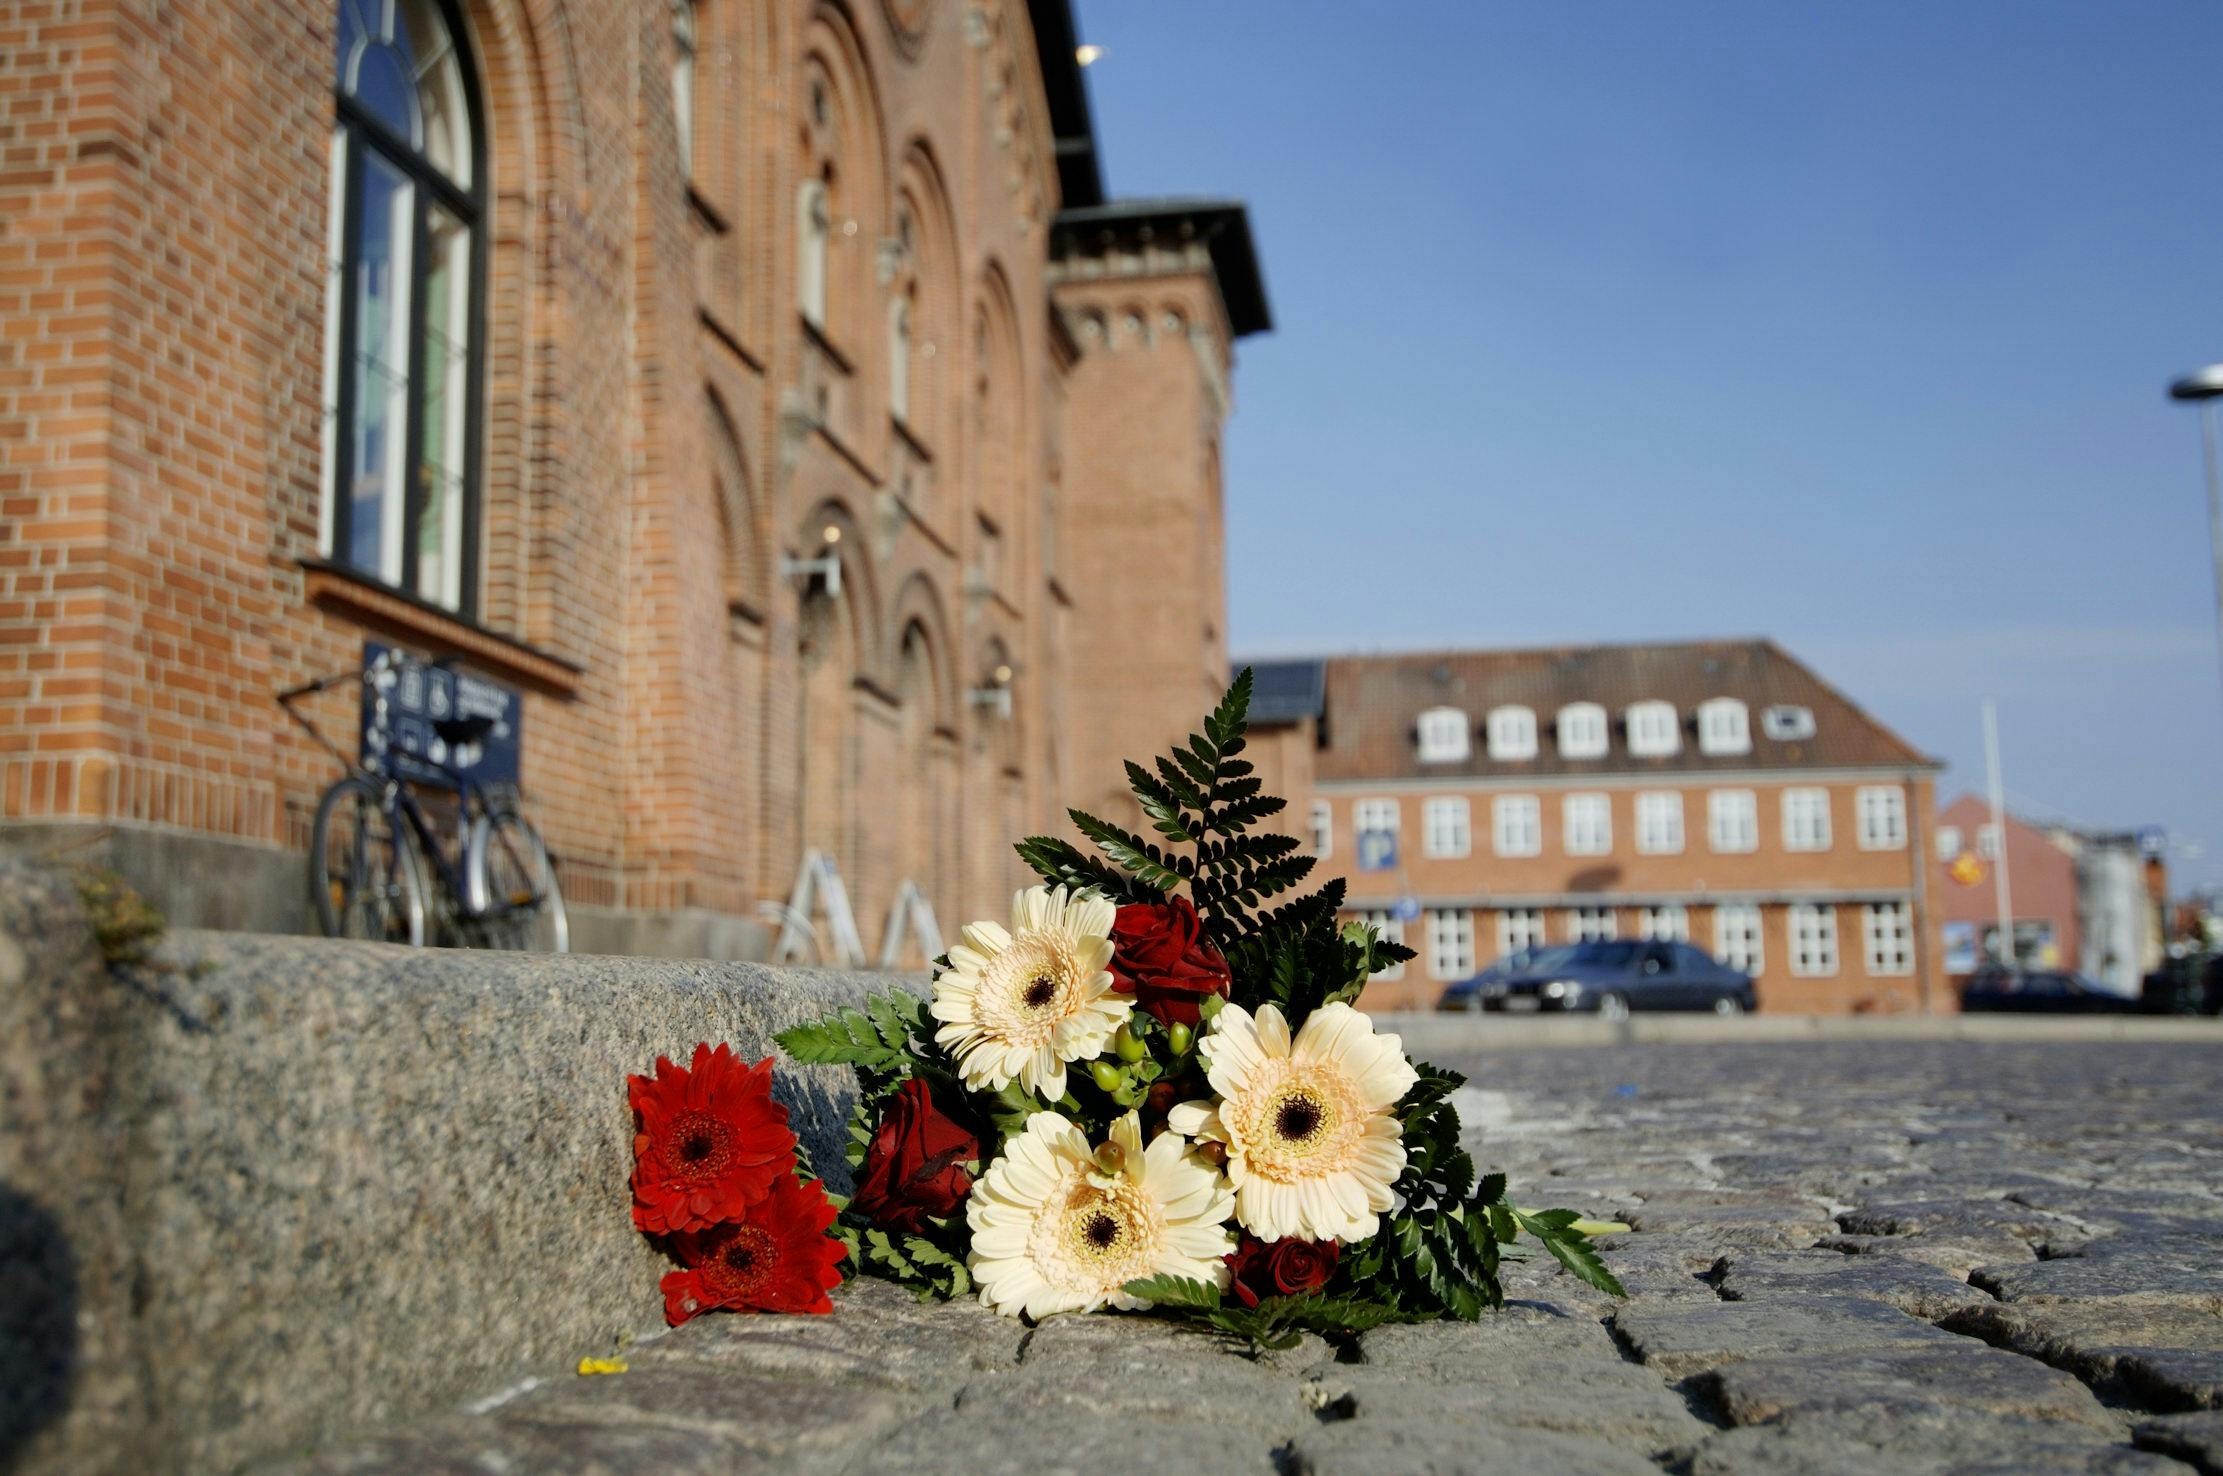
(1868, 1257)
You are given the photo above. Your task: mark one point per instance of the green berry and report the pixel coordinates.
(1129, 1048)
(1106, 1074)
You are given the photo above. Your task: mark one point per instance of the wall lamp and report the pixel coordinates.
(827, 566)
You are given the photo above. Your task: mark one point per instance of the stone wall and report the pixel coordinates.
(259, 1192)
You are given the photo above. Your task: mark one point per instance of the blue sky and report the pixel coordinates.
(1845, 325)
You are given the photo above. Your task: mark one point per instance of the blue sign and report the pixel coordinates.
(1405, 909)
(435, 724)
(1377, 850)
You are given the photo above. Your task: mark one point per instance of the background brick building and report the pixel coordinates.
(1718, 791)
(553, 334)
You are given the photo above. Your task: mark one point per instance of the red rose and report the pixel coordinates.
(1164, 961)
(709, 1141)
(1282, 1268)
(916, 1163)
(778, 1259)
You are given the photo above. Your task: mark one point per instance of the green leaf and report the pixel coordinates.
(1128, 850)
(877, 1042)
(1175, 1291)
(1227, 721)
(1571, 1248)
(1061, 863)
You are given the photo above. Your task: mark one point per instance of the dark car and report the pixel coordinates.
(1613, 979)
(2040, 991)
(1464, 994)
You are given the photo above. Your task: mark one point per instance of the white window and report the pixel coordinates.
(1659, 823)
(1443, 735)
(1788, 724)
(1392, 929)
(1948, 842)
(1805, 819)
(1737, 936)
(1583, 733)
(1732, 821)
(1586, 824)
(815, 222)
(1668, 922)
(1444, 827)
(1723, 727)
(1591, 924)
(1654, 729)
(1512, 733)
(1323, 829)
(1451, 944)
(1987, 842)
(899, 358)
(1888, 930)
(1813, 940)
(1518, 928)
(683, 81)
(1881, 810)
(1374, 814)
(1518, 824)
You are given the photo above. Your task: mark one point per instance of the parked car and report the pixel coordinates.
(2040, 991)
(1462, 995)
(1610, 979)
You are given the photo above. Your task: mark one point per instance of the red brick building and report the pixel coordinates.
(2042, 890)
(567, 337)
(1718, 792)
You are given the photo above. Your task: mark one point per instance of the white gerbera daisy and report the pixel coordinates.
(1058, 1228)
(1312, 1149)
(1018, 1005)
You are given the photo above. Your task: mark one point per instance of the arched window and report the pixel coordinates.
(683, 81)
(402, 303)
(816, 222)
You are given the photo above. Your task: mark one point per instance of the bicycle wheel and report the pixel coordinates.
(513, 887)
(364, 874)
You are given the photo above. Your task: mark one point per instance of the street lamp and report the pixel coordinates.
(2203, 388)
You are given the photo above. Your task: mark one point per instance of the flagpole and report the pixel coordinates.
(1999, 829)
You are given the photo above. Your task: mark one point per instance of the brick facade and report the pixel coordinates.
(661, 428)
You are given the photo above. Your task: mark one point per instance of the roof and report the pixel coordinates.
(1375, 703)
(1222, 225)
(1057, 42)
(1287, 691)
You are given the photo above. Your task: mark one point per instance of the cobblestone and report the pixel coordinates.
(1849, 1257)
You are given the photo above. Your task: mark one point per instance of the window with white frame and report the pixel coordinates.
(1987, 841)
(1655, 731)
(814, 224)
(1586, 824)
(1392, 929)
(1450, 944)
(1887, 928)
(1724, 727)
(683, 81)
(1659, 823)
(1813, 940)
(1517, 822)
(1881, 810)
(1443, 735)
(1583, 731)
(1805, 819)
(1518, 928)
(1664, 922)
(1737, 936)
(1512, 733)
(1323, 828)
(1444, 827)
(1732, 821)
(1786, 723)
(1592, 924)
(1948, 842)
(1374, 814)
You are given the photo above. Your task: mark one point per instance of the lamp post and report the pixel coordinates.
(2204, 388)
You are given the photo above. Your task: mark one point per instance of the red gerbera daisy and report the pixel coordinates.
(779, 1259)
(710, 1141)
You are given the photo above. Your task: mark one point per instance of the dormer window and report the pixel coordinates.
(1654, 729)
(1443, 735)
(1583, 733)
(1723, 727)
(1512, 733)
(1788, 724)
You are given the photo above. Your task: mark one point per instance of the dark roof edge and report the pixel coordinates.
(1222, 224)
(1057, 42)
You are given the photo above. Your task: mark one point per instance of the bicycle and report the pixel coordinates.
(372, 842)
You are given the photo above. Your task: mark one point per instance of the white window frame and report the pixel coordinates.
(1518, 928)
(1887, 939)
(1446, 827)
(1655, 729)
(1739, 937)
(1788, 722)
(1948, 842)
(1724, 727)
(1376, 814)
(1663, 922)
(1323, 828)
(1586, 824)
(1450, 944)
(1443, 735)
(1880, 816)
(1987, 841)
(1806, 819)
(1659, 822)
(814, 226)
(1592, 925)
(1584, 732)
(1813, 932)
(1512, 733)
(1732, 822)
(1392, 929)
(1517, 825)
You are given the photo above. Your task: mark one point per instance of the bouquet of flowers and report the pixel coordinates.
(1153, 1089)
